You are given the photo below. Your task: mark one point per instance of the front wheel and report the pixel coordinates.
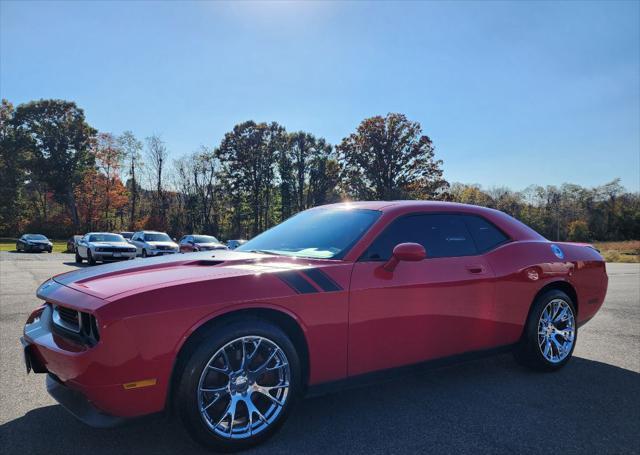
(78, 258)
(550, 333)
(144, 253)
(239, 385)
(90, 259)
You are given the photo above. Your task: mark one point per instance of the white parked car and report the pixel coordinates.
(153, 243)
(103, 246)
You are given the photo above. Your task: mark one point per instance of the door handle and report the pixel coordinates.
(476, 268)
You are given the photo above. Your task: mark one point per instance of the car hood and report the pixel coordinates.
(108, 244)
(39, 242)
(111, 281)
(211, 245)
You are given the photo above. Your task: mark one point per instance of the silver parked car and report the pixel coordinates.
(103, 246)
(153, 243)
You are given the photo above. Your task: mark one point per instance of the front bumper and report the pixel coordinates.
(160, 252)
(94, 378)
(34, 248)
(110, 256)
(79, 406)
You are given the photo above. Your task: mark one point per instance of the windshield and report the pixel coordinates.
(205, 239)
(157, 238)
(36, 237)
(106, 238)
(319, 233)
(126, 235)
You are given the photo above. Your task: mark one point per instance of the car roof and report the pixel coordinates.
(101, 233)
(405, 204)
(391, 209)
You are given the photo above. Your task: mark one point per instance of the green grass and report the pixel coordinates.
(59, 246)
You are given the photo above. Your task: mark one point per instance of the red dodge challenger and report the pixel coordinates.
(230, 340)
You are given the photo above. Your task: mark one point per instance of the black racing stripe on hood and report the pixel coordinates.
(323, 280)
(296, 282)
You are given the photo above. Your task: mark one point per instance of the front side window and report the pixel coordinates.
(441, 235)
(326, 233)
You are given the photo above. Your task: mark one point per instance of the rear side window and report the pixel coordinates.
(442, 235)
(485, 235)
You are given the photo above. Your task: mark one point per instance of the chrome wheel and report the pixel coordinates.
(244, 387)
(556, 331)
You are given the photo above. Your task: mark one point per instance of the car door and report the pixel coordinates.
(186, 244)
(83, 246)
(137, 242)
(423, 310)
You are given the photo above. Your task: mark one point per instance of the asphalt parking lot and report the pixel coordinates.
(489, 406)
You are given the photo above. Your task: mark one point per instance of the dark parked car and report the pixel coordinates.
(190, 243)
(233, 244)
(127, 235)
(72, 243)
(34, 242)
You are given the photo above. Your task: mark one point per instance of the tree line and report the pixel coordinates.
(60, 176)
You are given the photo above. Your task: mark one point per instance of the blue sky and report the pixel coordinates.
(511, 93)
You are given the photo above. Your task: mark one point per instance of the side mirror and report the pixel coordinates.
(412, 252)
(174, 239)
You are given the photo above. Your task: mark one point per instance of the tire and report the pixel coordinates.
(90, 258)
(17, 247)
(204, 364)
(144, 253)
(548, 341)
(78, 258)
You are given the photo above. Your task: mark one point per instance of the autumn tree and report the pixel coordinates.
(14, 158)
(108, 158)
(131, 149)
(198, 183)
(156, 155)
(389, 158)
(59, 141)
(306, 174)
(249, 156)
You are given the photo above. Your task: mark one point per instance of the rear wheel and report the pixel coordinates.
(239, 385)
(550, 333)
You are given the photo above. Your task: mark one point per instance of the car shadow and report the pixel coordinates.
(489, 405)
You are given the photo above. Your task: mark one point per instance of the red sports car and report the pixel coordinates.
(229, 340)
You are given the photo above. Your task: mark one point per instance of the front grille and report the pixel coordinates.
(76, 325)
(67, 318)
(113, 249)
